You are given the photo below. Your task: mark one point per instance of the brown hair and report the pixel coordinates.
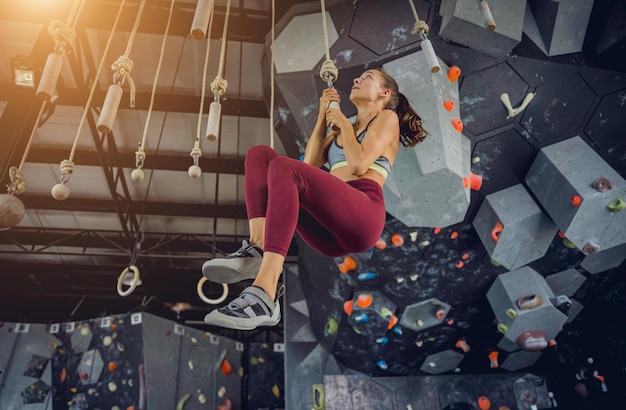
(411, 130)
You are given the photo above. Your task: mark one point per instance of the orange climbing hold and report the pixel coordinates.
(380, 244)
(493, 360)
(561, 235)
(347, 307)
(576, 200)
(551, 342)
(460, 264)
(112, 366)
(484, 403)
(453, 73)
(466, 182)
(226, 367)
(465, 256)
(397, 240)
(392, 322)
(440, 313)
(454, 235)
(462, 344)
(496, 231)
(457, 124)
(476, 181)
(448, 105)
(437, 230)
(347, 265)
(364, 300)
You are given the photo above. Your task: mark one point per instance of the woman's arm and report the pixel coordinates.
(382, 132)
(318, 143)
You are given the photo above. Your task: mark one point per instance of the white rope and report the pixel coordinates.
(328, 71)
(93, 91)
(219, 85)
(64, 34)
(272, 77)
(420, 26)
(140, 154)
(123, 66)
(206, 64)
(325, 29)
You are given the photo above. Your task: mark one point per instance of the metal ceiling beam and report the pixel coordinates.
(247, 25)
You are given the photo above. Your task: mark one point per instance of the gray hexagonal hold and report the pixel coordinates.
(442, 362)
(519, 360)
(425, 314)
(81, 339)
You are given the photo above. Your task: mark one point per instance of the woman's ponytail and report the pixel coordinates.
(411, 130)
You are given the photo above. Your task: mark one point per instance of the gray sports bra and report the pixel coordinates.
(337, 158)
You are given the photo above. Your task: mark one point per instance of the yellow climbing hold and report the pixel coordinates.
(276, 391)
(182, 401)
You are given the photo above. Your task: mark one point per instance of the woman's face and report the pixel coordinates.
(367, 86)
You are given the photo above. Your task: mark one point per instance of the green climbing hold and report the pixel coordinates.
(502, 328)
(617, 205)
(182, 401)
(495, 263)
(331, 326)
(510, 312)
(568, 243)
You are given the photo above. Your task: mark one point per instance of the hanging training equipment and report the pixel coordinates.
(272, 76)
(122, 68)
(194, 170)
(63, 35)
(218, 87)
(137, 175)
(204, 9)
(421, 29)
(485, 11)
(61, 191)
(328, 71)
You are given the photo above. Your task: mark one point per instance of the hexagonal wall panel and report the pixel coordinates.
(606, 127)
(372, 392)
(502, 159)
(479, 97)
(441, 362)
(81, 338)
(300, 45)
(558, 109)
(425, 314)
(395, 17)
(90, 367)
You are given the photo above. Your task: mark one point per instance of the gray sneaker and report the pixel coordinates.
(253, 308)
(240, 265)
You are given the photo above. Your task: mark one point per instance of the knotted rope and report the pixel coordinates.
(64, 34)
(328, 71)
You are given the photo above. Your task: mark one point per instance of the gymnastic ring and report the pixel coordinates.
(133, 285)
(211, 301)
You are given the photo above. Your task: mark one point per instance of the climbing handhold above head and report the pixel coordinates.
(493, 360)
(380, 244)
(617, 205)
(457, 124)
(448, 105)
(347, 265)
(460, 264)
(454, 235)
(393, 320)
(532, 340)
(366, 275)
(347, 307)
(476, 181)
(576, 200)
(381, 364)
(601, 184)
(496, 231)
(362, 318)
(529, 302)
(382, 340)
(591, 248)
(437, 230)
(226, 367)
(484, 403)
(397, 240)
(462, 344)
(331, 326)
(453, 73)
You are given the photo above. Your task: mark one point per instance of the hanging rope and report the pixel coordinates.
(218, 86)
(17, 185)
(420, 27)
(140, 154)
(123, 66)
(67, 166)
(272, 77)
(64, 34)
(328, 71)
(196, 153)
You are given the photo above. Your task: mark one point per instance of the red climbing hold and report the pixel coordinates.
(453, 73)
(364, 300)
(448, 105)
(397, 240)
(576, 200)
(457, 124)
(347, 307)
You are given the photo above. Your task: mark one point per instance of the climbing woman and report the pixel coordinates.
(336, 213)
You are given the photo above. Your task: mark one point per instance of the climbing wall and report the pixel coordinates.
(432, 298)
(127, 361)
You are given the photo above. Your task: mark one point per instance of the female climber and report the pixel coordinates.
(336, 213)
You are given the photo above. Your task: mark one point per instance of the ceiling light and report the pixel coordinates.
(23, 71)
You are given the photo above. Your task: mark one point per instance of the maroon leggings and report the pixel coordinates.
(332, 216)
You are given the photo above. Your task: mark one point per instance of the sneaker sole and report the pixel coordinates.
(215, 318)
(225, 274)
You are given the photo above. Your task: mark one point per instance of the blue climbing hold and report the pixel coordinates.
(366, 276)
(362, 318)
(397, 330)
(382, 364)
(382, 340)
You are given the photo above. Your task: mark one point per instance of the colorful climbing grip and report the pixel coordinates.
(347, 265)
(532, 340)
(380, 244)
(529, 302)
(617, 205)
(457, 124)
(511, 313)
(226, 367)
(454, 235)
(331, 327)
(453, 73)
(440, 314)
(502, 328)
(496, 231)
(591, 248)
(576, 200)
(493, 360)
(385, 312)
(382, 340)
(437, 230)
(568, 243)
(112, 366)
(392, 324)
(561, 234)
(347, 307)
(484, 403)
(601, 184)
(397, 240)
(462, 344)
(465, 256)
(362, 318)
(364, 300)
(460, 264)
(381, 364)
(466, 182)
(448, 105)
(396, 329)
(366, 276)
(476, 181)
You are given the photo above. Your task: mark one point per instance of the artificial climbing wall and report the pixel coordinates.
(127, 361)
(417, 303)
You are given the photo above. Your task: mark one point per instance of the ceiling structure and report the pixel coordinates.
(63, 260)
